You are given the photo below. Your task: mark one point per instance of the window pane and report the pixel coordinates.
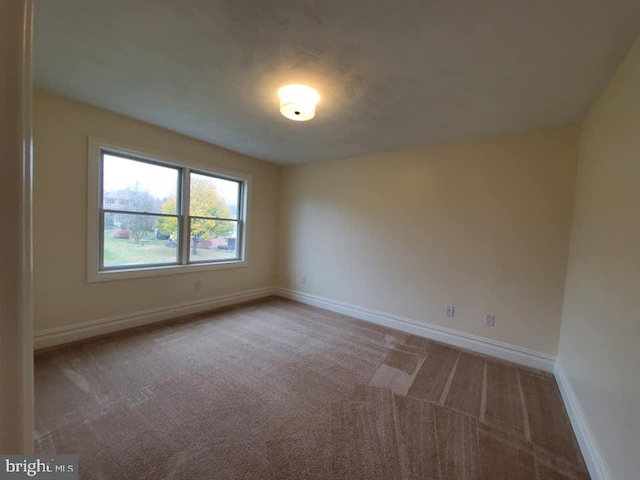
(138, 186)
(213, 240)
(213, 197)
(139, 240)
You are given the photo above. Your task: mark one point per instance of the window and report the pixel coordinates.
(151, 216)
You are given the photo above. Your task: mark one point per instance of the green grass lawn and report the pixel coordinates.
(122, 252)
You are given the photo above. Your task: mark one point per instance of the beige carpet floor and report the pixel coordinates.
(280, 390)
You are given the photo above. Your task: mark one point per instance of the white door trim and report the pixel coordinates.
(16, 266)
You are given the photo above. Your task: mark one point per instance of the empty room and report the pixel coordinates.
(320, 240)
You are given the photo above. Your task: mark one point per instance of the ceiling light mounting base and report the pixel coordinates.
(298, 102)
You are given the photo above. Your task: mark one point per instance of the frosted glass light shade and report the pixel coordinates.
(298, 102)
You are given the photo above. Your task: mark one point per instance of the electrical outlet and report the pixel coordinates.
(303, 280)
(449, 310)
(196, 286)
(489, 320)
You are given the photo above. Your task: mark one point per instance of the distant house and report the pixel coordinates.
(113, 202)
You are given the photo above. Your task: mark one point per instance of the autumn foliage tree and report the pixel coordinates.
(205, 202)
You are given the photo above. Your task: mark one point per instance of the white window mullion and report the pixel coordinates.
(242, 212)
(100, 203)
(185, 237)
(101, 238)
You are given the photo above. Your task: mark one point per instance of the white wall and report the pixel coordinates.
(62, 295)
(483, 225)
(599, 348)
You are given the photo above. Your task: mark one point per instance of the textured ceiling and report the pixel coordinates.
(392, 74)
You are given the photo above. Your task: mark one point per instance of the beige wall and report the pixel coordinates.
(483, 225)
(600, 339)
(62, 294)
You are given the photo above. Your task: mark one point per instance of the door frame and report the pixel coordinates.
(16, 257)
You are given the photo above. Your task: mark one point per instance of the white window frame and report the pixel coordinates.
(95, 274)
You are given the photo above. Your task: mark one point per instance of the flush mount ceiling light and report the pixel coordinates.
(298, 102)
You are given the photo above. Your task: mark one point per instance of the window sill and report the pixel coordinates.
(165, 270)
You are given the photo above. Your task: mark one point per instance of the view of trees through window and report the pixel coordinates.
(141, 207)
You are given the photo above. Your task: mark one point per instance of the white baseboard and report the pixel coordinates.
(522, 356)
(71, 333)
(596, 464)
(592, 455)
(61, 335)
